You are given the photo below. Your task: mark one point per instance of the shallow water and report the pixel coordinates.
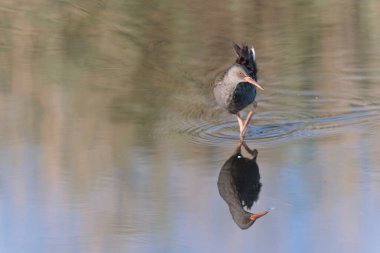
(110, 139)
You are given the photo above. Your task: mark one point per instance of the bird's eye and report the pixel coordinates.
(240, 73)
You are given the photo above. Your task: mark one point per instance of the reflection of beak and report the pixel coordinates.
(255, 216)
(250, 80)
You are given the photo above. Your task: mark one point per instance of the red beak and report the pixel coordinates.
(250, 80)
(255, 216)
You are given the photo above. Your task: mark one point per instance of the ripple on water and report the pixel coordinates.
(269, 127)
(295, 114)
(222, 131)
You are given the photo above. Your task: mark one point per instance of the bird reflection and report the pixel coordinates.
(239, 185)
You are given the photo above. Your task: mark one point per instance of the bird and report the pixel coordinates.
(235, 88)
(239, 185)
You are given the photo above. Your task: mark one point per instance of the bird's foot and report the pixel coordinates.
(242, 133)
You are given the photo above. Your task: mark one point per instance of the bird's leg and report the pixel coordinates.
(238, 148)
(239, 119)
(246, 123)
(245, 126)
(253, 153)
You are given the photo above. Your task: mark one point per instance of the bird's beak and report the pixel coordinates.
(250, 80)
(255, 216)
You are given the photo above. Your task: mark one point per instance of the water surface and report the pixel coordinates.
(110, 140)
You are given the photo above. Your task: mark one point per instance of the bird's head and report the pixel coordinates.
(246, 221)
(238, 74)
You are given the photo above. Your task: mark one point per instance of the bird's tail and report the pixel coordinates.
(247, 58)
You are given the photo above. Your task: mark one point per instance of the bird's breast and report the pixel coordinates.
(243, 95)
